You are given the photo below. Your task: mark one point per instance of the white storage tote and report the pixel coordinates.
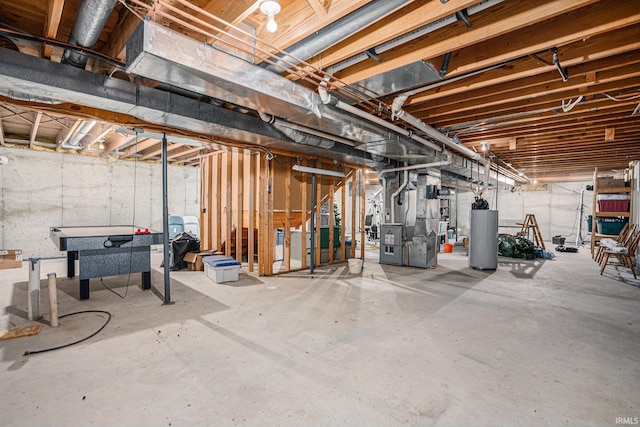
(221, 268)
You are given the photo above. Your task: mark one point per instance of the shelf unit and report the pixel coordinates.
(595, 236)
(444, 209)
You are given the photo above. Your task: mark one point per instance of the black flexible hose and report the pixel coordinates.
(27, 353)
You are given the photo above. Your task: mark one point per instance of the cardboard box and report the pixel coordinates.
(10, 258)
(194, 260)
(610, 182)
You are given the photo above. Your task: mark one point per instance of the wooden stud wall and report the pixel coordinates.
(240, 190)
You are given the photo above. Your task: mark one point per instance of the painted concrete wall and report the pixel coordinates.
(556, 209)
(39, 190)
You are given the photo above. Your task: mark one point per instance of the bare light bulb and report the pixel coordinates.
(270, 8)
(272, 25)
(101, 145)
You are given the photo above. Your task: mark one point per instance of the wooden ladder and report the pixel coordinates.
(531, 223)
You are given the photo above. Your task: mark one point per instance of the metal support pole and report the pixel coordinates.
(34, 289)
(165, 222)
(313, 223)
(579, 240)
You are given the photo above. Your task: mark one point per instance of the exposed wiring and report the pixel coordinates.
(568, 106)
(27, 353)
(619, 100)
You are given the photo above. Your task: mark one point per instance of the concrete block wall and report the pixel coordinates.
(556, 209)
(41, 189)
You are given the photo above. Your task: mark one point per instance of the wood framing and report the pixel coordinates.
(287, 223)
(307, 213)
(246, 196)
(251, 173)
(363, 209)
(354, 191)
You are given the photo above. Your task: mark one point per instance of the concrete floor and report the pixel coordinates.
(533, 343)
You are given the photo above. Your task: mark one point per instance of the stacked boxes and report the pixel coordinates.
(10, 258)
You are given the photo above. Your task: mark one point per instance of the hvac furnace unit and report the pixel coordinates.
(391, 244)
(483, 239)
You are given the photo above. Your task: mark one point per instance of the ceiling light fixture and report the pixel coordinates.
(270, 8)
(485, 146)
(520, 172)
(101, 145)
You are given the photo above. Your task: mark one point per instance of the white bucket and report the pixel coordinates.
(355, 265)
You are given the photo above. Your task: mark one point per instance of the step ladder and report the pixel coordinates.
(530, 223)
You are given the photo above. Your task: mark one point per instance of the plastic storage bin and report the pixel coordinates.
(221, 268)
(611, 226)
(613, 202)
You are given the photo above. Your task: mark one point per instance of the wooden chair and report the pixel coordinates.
(623, 239)
(623, 255)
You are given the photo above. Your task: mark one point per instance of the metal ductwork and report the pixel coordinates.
(84, 130)
(296, 135)
(410, 75)
(31, 76)
(90, 19)
(335, 32)
(152, 52)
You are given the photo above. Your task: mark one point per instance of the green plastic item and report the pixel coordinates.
(516, 247)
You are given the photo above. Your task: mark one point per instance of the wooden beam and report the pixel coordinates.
(217, 210)
(205, 199)
(51, 24)
(509, 17)
(95, 135)
(2, 142)
(354, 190)
(287, 223)
(270, 230)
(140, 146)
(609, 134)
(127, 23)
(239, 208)
(414, 16)
(186, 151)
(228, 203)
(263, 244)
(303, 238)
(318, 8)
(115, 141)
(612, 47)
(343, 237)
(252, 173)
(34, 130)
(63, 140)
(332, 221)
(318, 214)
(363, 204)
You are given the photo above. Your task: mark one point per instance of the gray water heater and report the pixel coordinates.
(483, 239)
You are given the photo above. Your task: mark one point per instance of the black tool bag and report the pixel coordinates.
(180, 245)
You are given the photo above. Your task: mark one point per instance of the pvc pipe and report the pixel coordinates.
(53, 300)
(422, 166)
(358, 112)
(397, 193)
(34, 289)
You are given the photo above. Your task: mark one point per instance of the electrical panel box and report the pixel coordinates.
(391, 247)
